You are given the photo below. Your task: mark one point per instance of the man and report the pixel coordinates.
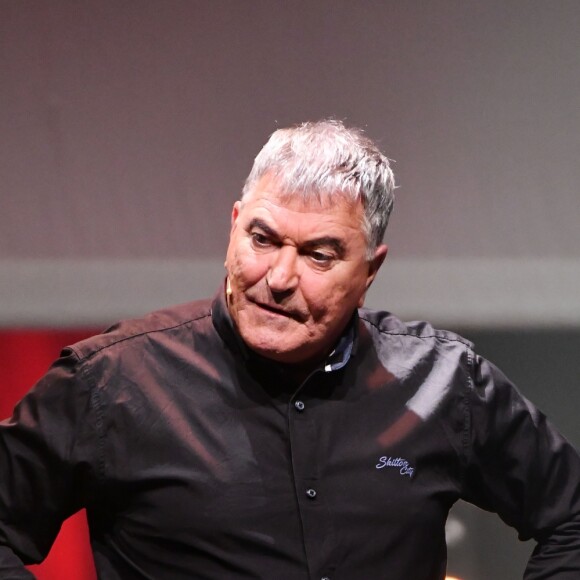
(281, 430)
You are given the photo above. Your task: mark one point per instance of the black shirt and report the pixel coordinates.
(197, 459)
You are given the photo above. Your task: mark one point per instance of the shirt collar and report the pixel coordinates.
(345, 347)
(224, 324)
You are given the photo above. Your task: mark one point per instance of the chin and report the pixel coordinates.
(272, 352)
(278, 351)
(289, 354)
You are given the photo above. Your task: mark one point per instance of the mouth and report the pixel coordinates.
(293, 314)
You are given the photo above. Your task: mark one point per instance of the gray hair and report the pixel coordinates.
(316, 160)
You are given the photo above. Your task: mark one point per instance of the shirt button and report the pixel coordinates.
(299, 405)
(311, 493)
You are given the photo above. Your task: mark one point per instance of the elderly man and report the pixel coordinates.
(281, 430)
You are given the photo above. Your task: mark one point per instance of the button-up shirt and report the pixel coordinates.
(195, 458)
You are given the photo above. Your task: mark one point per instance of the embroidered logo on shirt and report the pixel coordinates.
(399, 463)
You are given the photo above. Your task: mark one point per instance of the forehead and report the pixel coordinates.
(267, 199)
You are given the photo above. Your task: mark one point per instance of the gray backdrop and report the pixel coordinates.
(128, 126)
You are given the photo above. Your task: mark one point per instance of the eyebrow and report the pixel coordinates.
(258, 223)
(324, 241)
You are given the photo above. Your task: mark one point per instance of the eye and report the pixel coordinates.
(260, 240)
(320, 258)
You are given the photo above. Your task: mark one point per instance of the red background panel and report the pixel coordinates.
(24, 357)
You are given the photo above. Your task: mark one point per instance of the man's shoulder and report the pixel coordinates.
(389, 324)
(169, 320)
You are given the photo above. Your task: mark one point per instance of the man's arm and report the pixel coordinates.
(556, 556)
(11, 567)
(521, 467)
(46, 459)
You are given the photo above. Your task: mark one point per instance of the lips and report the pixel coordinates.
(294, 314)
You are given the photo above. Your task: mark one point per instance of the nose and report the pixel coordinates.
(282, 277)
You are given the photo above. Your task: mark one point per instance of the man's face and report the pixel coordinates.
(297, 272)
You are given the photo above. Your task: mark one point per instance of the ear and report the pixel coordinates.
(233, 224)
(235, 213)
(374, 265)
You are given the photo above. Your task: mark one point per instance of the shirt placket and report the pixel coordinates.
(309, 488)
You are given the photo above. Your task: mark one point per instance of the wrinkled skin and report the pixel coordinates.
(297, 273)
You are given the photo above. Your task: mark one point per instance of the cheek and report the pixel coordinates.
(323, 298)
(245, 268)
(330, 299)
